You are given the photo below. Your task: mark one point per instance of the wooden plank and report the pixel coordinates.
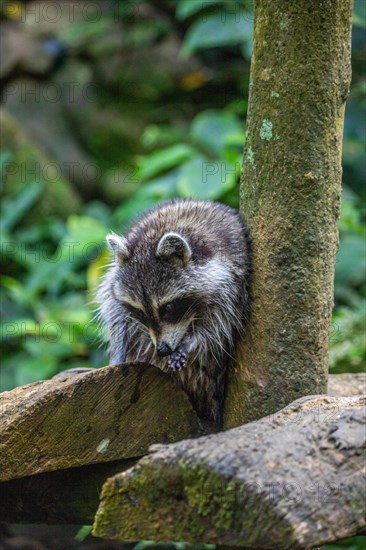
(347, 384)
(97, 416)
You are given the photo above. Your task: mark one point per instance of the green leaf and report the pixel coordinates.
(33, 369)
(162, 188)
(5, 157)
(201, 178)
(348, 340)
(83, 532)
(219, 29)
(163, 160)
(78, 32)
(84, 230)
(186, 8)
(17, 328)
(80, 245)
(156, 190)
(214, 130)
(126, 214)
(13, 210)
(350, 261)
(17, 291)
(359, 14)
(48, 345)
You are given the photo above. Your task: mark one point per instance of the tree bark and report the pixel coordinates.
(293, 480)
(290, 198)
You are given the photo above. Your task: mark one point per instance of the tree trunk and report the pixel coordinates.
(290, 198)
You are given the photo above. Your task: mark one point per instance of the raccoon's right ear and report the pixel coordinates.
(174, 247)
(118, 245)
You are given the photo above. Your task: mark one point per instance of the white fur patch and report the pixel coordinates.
(216, 275)
(123, 297)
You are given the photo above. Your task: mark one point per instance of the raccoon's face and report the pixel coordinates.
(156, 290)
(168, 323)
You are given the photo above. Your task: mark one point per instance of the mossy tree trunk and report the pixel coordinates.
(290, 198)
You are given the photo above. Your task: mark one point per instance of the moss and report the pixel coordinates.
(180, 501)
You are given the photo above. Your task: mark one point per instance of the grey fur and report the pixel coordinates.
(205, 265)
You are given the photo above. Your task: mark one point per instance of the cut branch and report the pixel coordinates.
(294, 480)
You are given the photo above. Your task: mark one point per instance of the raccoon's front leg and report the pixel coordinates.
(207, 392)
(117, 345)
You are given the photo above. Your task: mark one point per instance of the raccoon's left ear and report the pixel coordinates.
(174, 247)
(118, 245)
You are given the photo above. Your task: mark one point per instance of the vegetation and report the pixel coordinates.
(158, 112)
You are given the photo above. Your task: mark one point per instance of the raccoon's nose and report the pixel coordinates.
(163, 349)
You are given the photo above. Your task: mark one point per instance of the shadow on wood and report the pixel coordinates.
(63, 497)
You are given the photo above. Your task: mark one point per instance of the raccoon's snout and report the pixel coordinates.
(163, 349)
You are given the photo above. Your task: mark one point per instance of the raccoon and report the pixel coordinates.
(176, 296)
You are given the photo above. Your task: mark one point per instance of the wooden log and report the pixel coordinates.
(72, 495)
(347, 384)
(98, 416)
(293, 480)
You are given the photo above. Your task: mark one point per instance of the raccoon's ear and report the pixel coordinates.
(118, 245)
(174, 247)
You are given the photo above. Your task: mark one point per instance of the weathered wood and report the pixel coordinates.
(102, 415)
(290, 198)
(293, 480)
(347, 384)
(72, 495)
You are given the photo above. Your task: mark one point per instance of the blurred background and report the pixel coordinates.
(107, 108)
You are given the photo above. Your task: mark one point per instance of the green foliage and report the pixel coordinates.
(355, 543)
(205, 166)
(187, 8)
(359, 14)
(160, 161)
(218, 29)
(12, 210)
(48, 322)
(348, 339)
(348, 329)
(350, 281)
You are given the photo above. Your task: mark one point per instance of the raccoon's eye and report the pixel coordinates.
(174, 311)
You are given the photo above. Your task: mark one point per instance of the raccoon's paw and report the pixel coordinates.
(178, 360)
